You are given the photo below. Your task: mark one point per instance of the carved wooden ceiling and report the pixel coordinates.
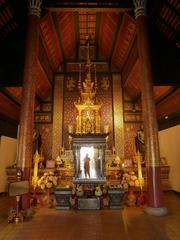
(64, 28)
(8, 22)
(111, 34)
(168, 20)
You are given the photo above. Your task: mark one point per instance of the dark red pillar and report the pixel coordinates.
(24, 157)
(152, 156)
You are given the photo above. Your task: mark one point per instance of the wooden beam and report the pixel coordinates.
(9, 26)
(10, 96)
(166, 94)
(170, 6)
(56, 26)
(90, 4)
(41, 42)
(115, 36)
(172, 120)
(130, 62)
(167, 24)
(46, 49)
(90, 10)
(93, 62)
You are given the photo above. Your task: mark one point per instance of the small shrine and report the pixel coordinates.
(88, 145)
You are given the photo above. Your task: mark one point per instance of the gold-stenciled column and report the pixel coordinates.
(30, 82)
(154, 199)
(118, 115)
(57, 115)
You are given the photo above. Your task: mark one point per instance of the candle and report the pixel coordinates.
(106, 129)
(70, 128)
(36, 161)
(140, 177)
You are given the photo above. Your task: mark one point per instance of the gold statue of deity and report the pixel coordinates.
(88, 85)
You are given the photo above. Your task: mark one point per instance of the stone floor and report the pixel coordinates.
(131, 223)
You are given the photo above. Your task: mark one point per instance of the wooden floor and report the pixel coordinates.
(130, 223)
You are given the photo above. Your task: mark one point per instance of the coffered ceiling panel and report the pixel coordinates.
(87, 27)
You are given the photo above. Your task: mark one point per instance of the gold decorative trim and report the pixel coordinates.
(118, 115)
(140, 9)
(57, 115)
(35, 7)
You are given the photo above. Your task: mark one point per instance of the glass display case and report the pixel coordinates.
(89, 157)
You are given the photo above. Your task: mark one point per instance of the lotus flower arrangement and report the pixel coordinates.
(129, 180)
(47, 181)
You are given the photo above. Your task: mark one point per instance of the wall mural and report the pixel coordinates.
(71, 95)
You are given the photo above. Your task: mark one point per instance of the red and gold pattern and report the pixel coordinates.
(70, 113)
(57, 116)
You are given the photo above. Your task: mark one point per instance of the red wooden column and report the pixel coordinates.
(154, 187)
(24, 155)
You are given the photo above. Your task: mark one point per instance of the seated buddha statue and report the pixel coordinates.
(87, 84)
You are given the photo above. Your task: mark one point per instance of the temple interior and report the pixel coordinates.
(89, 119)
